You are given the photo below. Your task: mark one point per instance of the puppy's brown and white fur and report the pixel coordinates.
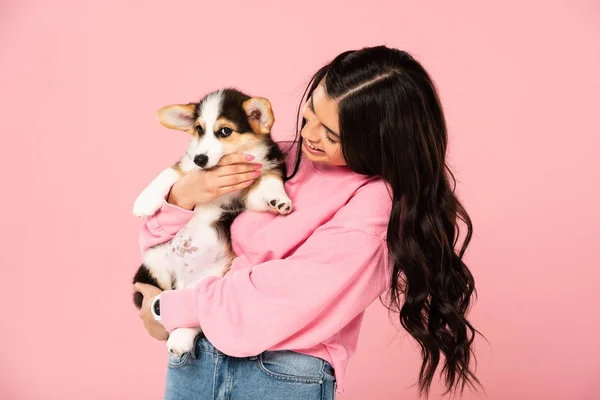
(226, 121)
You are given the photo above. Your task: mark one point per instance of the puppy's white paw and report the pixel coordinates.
(147, 204)
(181, 340)
(280, 205)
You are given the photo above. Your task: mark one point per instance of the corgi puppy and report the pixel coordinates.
(223, 122)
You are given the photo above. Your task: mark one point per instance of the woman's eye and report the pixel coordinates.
(225, 132)
(199, 129)
(330, 139)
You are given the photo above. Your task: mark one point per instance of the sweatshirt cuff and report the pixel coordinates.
(179, 309)
(170, 217)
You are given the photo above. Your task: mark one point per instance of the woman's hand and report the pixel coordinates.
(200, 186)
(154, 328)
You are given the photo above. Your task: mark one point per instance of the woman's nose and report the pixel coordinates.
(309, 132)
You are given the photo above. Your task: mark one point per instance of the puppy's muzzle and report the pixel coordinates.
(201, 160)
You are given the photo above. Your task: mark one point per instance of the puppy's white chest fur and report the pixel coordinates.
(222, 123)
(195, 252)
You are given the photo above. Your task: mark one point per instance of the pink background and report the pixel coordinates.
(81, 82)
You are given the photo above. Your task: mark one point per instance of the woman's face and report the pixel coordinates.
(321, 132)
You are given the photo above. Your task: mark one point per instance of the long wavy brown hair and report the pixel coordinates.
(392, 125)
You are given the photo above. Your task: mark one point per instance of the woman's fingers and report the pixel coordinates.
(235, 158)
(233, 188)
(235, 169)
(142, 287)
(232, 180)
(233, 172)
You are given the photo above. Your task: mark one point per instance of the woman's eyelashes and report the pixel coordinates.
(329, 139)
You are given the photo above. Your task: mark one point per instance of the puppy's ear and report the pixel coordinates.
(178, 116)
(260, 114)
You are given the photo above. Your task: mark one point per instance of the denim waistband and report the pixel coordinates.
(203, 344)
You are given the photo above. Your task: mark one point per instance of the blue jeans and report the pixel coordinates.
(207, 374)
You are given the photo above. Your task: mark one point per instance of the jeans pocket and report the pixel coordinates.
(291, 366)
(178, 360)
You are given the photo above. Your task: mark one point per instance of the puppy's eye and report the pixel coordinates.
(199, 129)
(224, 132)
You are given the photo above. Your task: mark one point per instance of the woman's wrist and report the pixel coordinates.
(175, 198)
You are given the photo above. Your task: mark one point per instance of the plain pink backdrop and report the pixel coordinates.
(80, 83)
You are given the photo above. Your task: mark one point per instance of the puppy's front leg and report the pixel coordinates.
(269, 195)
(151, 198)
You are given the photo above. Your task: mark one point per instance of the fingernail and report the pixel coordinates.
(257, 166)
(249, 157)
(256, 173)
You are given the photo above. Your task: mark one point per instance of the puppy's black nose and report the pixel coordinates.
(201, 160)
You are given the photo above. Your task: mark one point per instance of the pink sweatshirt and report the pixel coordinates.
(299, 282)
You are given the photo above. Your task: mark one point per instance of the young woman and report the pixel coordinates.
(374, 211)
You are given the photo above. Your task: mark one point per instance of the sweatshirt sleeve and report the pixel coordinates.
(303, 299)
(163, 225)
